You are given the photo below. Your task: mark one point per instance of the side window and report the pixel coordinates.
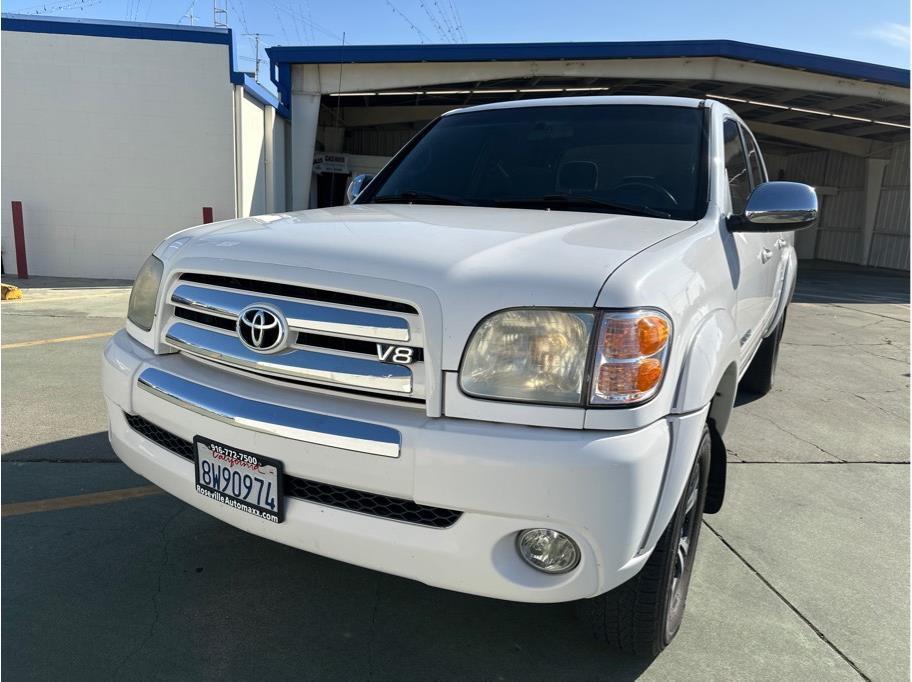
(736, 166)
(754, 159)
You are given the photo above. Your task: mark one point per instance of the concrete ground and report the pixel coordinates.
(803, 575)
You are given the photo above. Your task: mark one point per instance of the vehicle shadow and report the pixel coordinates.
(745, 397)
(227, 604)
(91, 448)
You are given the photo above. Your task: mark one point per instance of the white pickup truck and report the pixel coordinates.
(505, 369)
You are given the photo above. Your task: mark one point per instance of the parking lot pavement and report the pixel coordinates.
(803, 575)
(52, 405)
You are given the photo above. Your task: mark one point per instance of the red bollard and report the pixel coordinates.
(207, 214)
(19, 239)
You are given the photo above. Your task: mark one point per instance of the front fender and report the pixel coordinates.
(712, 351)
(686, 432)
(707, 377)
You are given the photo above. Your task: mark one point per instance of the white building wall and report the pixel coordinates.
(263, 157)
(111, 144)
(280, 177)
(253, 156)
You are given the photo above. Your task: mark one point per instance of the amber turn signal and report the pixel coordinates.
(631, 357)
(634, 337)
(653, 334)
(649, 373)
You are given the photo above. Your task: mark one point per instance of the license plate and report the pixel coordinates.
(240, 479)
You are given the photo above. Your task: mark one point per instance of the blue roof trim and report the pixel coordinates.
(102, 28)
(260, 94)
(772, 56)
(114, 29)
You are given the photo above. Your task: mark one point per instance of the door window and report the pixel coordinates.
(753, 158)
(739, 184)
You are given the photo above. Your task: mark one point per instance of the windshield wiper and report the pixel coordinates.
(422, 198)
(565, 200)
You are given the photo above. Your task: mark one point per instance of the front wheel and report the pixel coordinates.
(644, 614)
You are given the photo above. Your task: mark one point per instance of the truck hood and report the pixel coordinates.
(522, 256)
(466, 262)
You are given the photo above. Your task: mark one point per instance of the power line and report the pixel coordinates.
(434, 22)
(421, 34)
(240, 13)
(281, 21)
(457, 19)
(451, 31)
(450, 20)
(48, 8)
(309, 25)
(308, 22)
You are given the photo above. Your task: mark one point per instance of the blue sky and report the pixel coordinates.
(868, 30)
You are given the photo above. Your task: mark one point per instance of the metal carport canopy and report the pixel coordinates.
(793, 100)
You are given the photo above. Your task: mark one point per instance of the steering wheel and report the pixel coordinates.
(647, 184)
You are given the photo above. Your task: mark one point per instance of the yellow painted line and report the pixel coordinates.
(62, 339)
(54, 299)
(73, 501)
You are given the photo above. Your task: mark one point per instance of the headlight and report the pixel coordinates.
(145, 293)
(631, 357)
(542, 356)
(529, 355)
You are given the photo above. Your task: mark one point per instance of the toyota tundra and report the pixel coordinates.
(505, 368)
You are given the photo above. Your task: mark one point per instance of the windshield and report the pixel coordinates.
(619, 158)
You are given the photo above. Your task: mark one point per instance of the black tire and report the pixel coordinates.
(644, 614)
(761, 374)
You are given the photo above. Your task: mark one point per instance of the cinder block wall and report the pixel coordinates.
(111, 144)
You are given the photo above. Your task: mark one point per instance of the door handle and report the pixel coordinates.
(781, 243)
(765, 255)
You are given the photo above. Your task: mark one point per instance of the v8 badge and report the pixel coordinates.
(397, 355)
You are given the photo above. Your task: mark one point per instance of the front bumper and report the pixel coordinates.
(601, 488)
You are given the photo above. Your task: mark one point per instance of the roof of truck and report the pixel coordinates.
(578, 101)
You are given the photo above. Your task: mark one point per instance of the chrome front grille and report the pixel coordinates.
(333, 337)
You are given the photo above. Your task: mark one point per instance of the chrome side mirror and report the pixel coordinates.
(776, 207)
(356, 186)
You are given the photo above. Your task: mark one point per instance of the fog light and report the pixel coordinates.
(547, 550)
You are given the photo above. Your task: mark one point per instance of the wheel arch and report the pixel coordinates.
(710, 378)
(709, 373)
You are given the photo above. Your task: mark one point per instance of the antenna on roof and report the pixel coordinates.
(190, 16)
(219, 14)
(256, 59)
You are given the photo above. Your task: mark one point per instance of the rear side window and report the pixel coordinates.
(736, 166)
(753, 158)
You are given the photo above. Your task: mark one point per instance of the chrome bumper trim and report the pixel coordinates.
(277, 420)
(300, 316)
(305, 365)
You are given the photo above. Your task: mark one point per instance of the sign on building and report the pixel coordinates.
(330, 163)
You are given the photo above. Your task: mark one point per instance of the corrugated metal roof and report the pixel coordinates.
(669, 49)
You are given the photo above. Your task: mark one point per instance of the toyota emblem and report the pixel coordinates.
(262, 329)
